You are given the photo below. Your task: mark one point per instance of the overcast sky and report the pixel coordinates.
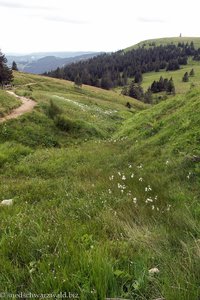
(92, 25)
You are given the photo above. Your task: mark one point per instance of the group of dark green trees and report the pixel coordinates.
(186, 75)
(113, 69)
(135, 90)
(6, 75)
(163, 84)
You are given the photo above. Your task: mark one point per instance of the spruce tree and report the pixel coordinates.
(170, 87)
(14, 66)
(138, 77)
(148, 96)
(78, 81)
(192, 72)
(185, 77)
(6, 75)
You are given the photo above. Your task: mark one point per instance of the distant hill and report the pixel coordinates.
(38, 63)
(111, 70)
(166, 41)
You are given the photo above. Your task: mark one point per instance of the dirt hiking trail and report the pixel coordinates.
(26, 106)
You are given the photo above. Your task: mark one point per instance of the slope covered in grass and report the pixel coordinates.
(166, 41)
(102, 195)
(180, 86)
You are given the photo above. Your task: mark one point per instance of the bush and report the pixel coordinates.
(54, 110)
(77, 127)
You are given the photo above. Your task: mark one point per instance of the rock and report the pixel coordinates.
(7, 202)
(154, 271)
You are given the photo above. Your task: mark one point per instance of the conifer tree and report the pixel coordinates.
(5, 72)
(78, 81)
(148, 96)
(14, 66)
(185, 77)
(170, 87)
(138, 77)
(192, 72)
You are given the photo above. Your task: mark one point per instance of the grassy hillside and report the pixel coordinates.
(181, 87)
(166, 41)
(102, 194)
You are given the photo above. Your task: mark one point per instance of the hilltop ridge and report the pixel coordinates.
(165, 41)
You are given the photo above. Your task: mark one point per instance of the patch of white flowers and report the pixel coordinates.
(124, 181)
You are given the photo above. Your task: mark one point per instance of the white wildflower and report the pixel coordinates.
(149, 200)
(130, 166)
(109, 191)
(132, 175)
(135, 200)
(140, 166)
(141, 179)
(167, 162)
(168, 207)
(123, 177)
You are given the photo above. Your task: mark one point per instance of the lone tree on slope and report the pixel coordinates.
(185, 77)
(6, 75)
(14, 66)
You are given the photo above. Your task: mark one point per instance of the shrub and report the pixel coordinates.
(54, 110)
(77, 127)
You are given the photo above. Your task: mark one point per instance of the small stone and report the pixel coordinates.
(154, 271)
(7, 202)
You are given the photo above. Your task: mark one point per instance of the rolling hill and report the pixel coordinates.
(166, 41)
(39, 63)
(105, 198)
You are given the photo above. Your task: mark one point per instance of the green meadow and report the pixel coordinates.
(180, 86)
(105, 198)
(166, 41)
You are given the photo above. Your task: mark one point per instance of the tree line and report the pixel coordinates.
(109, 70)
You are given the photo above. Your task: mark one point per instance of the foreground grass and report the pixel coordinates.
(97, 205)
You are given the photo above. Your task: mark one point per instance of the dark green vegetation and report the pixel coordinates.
(112, 70)
(5, 72)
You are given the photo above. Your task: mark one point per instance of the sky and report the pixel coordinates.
(92, 25)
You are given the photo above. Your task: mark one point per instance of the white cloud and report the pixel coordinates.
(21, 5)
(106, 25)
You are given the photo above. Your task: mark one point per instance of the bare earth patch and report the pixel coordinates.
(26, 106)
